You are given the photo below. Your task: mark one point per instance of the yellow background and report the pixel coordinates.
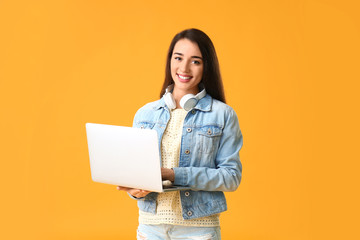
(290, 70)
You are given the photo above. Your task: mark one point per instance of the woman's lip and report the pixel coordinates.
(183, 80)
(184, 75)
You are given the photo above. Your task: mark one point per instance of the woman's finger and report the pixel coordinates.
(134, 192)
(122, 188)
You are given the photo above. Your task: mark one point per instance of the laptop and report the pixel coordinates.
(126, 156)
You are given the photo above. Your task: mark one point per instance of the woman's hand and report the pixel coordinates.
(167, 174)
(138, 193)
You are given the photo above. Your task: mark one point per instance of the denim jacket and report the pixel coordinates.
(209, 155)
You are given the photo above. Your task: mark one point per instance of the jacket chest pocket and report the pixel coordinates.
(209, 138)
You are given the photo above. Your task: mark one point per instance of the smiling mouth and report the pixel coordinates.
(184, 77)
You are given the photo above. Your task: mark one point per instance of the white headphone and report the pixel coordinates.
(187, 102)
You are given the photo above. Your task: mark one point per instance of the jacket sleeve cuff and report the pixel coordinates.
(181, 176)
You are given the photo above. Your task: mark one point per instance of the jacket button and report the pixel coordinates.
(209, 131)
(189, 213)
(142, 127)
(188, 130)
(187, 151)
(187, 194)
(193, 111)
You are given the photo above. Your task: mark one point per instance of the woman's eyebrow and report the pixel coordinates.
(191, 56)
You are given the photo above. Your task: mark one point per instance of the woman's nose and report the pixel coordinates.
(185, 66)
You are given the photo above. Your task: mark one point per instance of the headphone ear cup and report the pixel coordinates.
(169, 100)
(188, 101)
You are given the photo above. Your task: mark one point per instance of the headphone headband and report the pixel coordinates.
(187, 102)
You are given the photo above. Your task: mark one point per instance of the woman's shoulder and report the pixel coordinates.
(225, 115)
(220, 107)
(148, 109)
(150, 106)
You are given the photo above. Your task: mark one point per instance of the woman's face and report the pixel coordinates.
(186, 66)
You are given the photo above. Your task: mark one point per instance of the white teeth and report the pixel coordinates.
(185, 78)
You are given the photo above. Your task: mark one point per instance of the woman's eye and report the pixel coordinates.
(196, 62)
(177, 58)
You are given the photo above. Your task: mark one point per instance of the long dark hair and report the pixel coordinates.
(211, 74)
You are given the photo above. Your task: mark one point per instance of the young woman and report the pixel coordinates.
(200, 142)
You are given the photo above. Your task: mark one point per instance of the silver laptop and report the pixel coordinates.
(126, 156)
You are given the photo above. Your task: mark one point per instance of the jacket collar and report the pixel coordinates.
(203, 104)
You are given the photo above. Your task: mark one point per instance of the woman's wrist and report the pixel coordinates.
(168, 174)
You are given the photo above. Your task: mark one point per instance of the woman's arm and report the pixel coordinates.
(227, 174)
